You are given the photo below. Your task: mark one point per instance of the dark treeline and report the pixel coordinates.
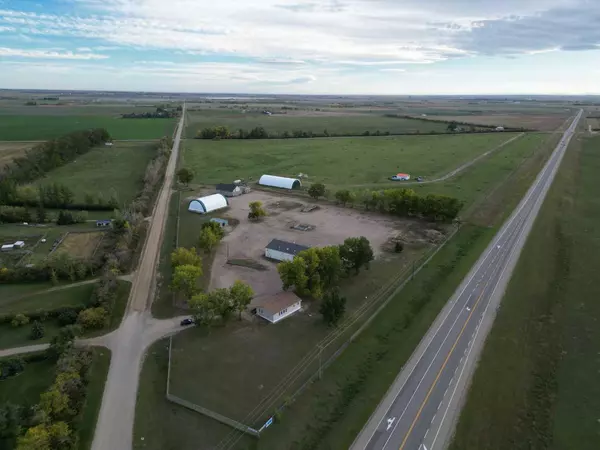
(160, 113)
(472, 129)
(405, 203)
(221, 132)
(51, 154)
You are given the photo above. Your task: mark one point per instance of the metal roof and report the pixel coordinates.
(227, 187)
(280, 182)
(290, 248)
(208, 203)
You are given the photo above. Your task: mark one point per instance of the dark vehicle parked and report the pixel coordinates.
(186, 322)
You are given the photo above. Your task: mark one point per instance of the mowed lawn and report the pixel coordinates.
(536, 385)
(337, 162)
(29, 302)
(25, 388)
(107, 170)
(340, 123)
(27, 127)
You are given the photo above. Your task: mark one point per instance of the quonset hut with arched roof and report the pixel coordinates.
(280, 182)
(203, 205)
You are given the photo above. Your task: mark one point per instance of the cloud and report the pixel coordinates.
(48, 54)
(392, 70)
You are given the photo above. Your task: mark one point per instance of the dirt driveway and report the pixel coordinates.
(248, 240)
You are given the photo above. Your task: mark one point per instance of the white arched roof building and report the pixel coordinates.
(208, 204)
(280, 182)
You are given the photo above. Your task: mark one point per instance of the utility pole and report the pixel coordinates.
(320, 367)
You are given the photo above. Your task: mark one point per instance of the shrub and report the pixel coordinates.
(68, 317)
(20, 320)
(37, 330)
(93, 318)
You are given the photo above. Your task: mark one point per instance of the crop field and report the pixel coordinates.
(11, 150)
(340, 123)
(42, 127)
(533, 122)
(536, 385)
(337, 162)
(116, 170)
(82, 244)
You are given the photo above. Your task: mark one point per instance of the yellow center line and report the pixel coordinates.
(412, 425)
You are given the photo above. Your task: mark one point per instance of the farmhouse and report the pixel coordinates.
(279, 306)
(229, 190)
(283, 251)
(203, 205)
(280, 182)
(499, 128)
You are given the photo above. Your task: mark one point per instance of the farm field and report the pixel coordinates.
(10, 150)
(48, 126)
(340, 123)
(536, 386)
(337, 162)
(81, 245)
(109, 171)
(50, 299)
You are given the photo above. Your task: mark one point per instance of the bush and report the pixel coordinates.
(93, 318)
(20, 320)
(68, 317)
(37, 330)
(11, 367)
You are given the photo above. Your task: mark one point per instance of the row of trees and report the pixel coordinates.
(51, 154)
(400, 202)
(316, 272)
(160, 113)
(57, 266)
(220, 304)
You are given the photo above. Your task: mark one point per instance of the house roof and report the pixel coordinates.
(290, 248)
(275, 303)
(226, 187)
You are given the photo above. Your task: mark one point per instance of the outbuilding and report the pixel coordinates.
(280, 182)
(7, 247)
(222, 222)
(499, 128)
(229, 190)
(203, 205)
(283, 251)
(103, 223)
(277, 307)
(19, 244)
(401, 177)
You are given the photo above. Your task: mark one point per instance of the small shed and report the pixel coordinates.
(229, 190)
(499, 128)
(203, 205)
(222, 222)
(280, 182)
(277, 307)
(283, 251)
(7, 247)
(19, 244)
(103, 223)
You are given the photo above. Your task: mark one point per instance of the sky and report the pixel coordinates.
(388, 47)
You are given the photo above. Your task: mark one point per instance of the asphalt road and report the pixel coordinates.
(421, 407)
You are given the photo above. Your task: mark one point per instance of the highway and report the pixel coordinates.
(421, 407)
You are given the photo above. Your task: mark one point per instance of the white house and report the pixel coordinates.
(499, 128)
(280, 182)
(283, 251)
(279, 306)
(203, 205)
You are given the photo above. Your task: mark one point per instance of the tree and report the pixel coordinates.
(36, 438)
(184, 256)
(60, 435)
(316, 190)
(208, 239)
(344, 196)
(67, 317)
(185, 280)
(256, 211)
(215, 228)
(185, 175)
(207, 307)
(452, 126)
(241, 295)
(93, 318)
(37, 330)
(333, 307)
(20, 320)
(64, 340)
(398, 247)
(42, 216)
(356, 253)
(54, 403)
(10, 424)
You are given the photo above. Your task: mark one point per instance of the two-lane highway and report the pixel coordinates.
(420, 409)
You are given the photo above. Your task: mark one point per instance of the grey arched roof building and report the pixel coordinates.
(280, 182)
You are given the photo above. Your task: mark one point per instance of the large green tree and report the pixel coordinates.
(185, 175)
(333, 307)
(241, 295)
(183, 256)
(316, 190)
(185, 280)
(356, 252)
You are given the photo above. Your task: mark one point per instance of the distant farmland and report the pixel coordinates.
(10, 150)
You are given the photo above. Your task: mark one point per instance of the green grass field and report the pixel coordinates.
(335, 123)
(337, 162)
(25, 388)
(106, 170)
(536, 385)
(28, 303)
(42, 127)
